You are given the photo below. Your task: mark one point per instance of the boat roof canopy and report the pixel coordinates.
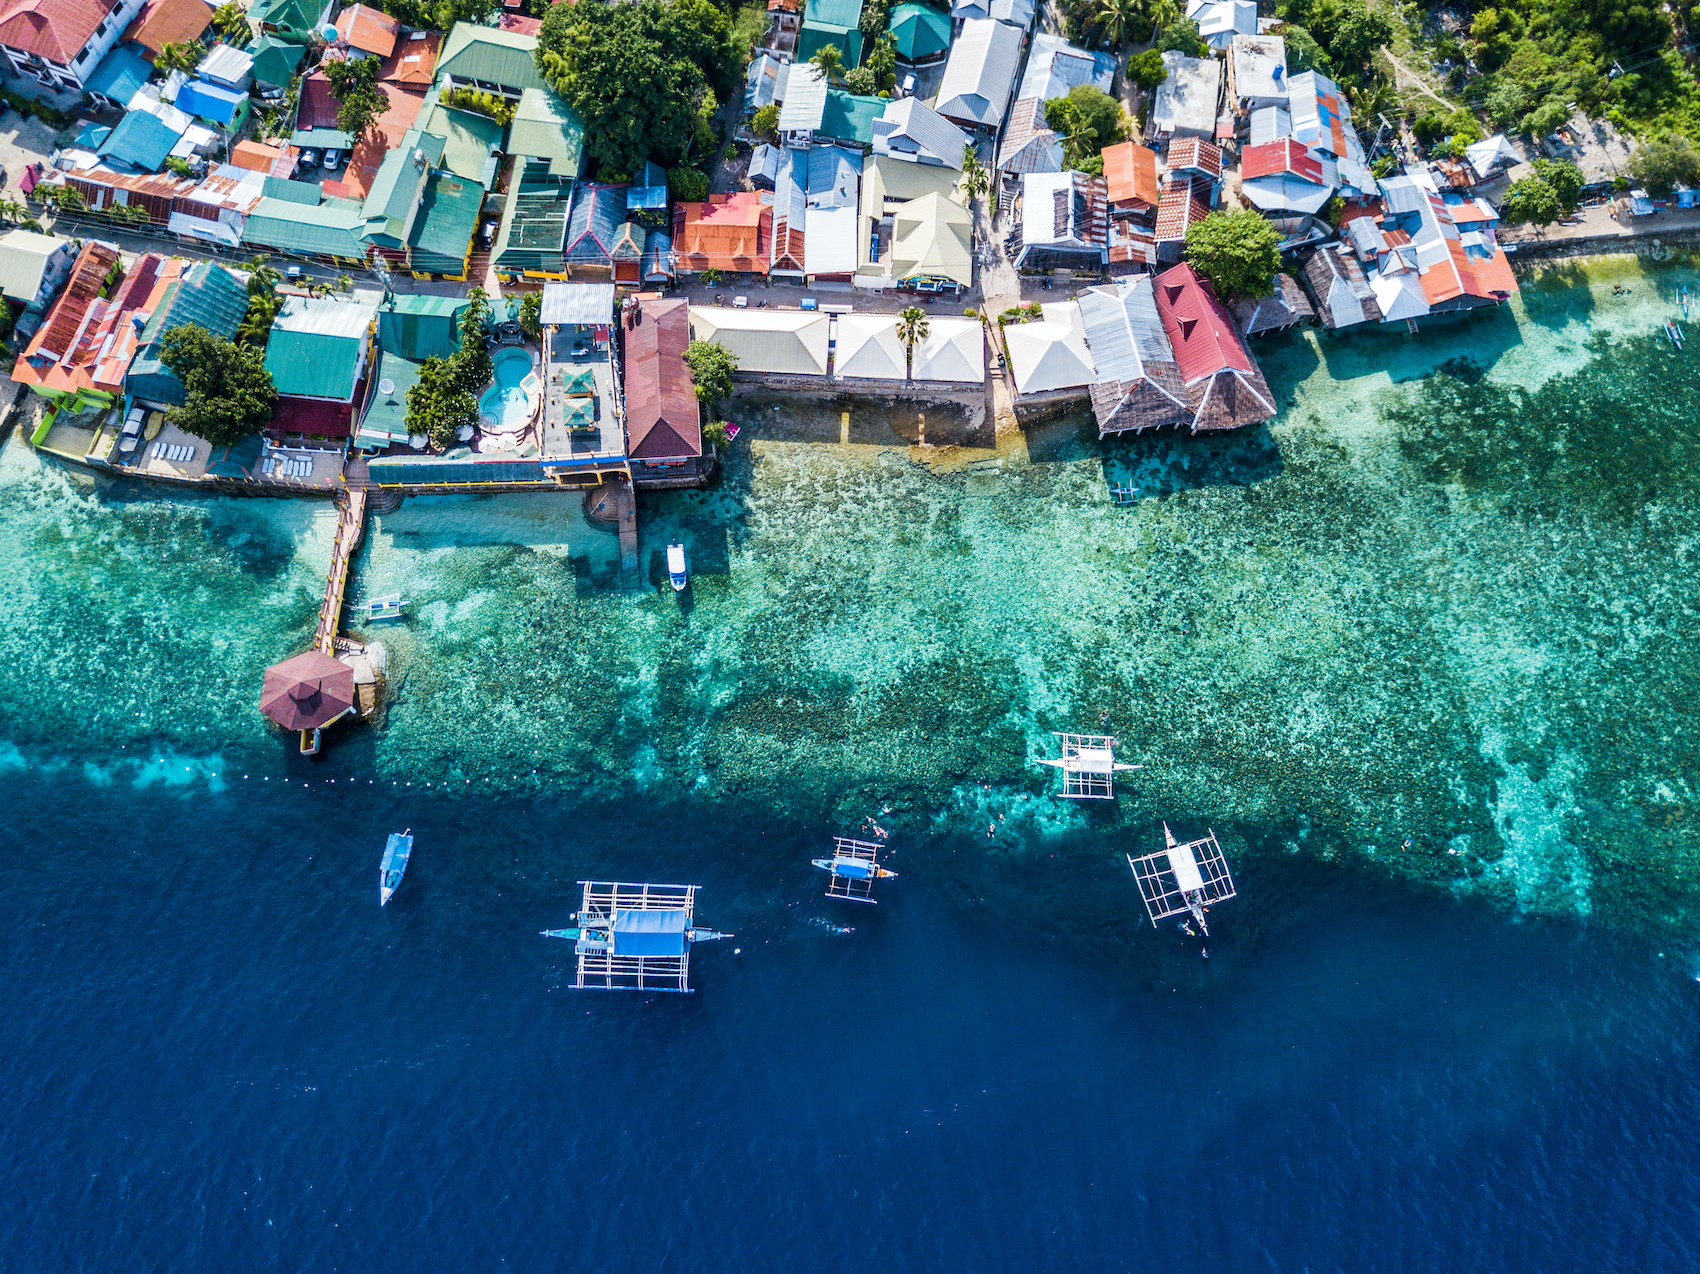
(649, 933)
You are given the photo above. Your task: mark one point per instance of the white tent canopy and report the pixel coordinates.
(869, 348)
(954, 350)
(1051, 353)
(1482, 156)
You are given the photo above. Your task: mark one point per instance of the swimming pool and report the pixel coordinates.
(511, 402)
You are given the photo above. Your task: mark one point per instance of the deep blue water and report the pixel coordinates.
(219, 1054)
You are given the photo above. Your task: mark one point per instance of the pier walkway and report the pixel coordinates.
(350, 530)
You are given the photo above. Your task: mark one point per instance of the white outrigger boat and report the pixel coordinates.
(387, 607)
(394, 866)
(676, 567)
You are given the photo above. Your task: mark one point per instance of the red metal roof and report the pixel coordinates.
(1198, 325)
(316, 417)
(1283, 156)
(519, 24)
(53, 29)
(1130, 174)
(663, 420)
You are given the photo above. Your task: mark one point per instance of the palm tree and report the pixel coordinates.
(1077, 141)
(975, 180)
(1163, 14)
(830, 59)
(912, 326)
(180, 57)
(263, 300)
(1116, 19)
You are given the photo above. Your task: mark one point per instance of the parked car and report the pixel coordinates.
(490, 232)
(309, 157)
(332, 159)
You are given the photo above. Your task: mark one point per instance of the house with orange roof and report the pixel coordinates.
(730, 233)
(83, 349)
(367, 29)
(60, 42)
(1130, 177)
(163, 22)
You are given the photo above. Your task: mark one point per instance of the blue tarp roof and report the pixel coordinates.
(210, 101)
(120, 73)
(141, 141)
(649, 933)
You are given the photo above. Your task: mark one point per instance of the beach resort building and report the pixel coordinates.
(729, 233)
(1225, 386)
(868, 348)
(490, 60)
(1049, 357)
(953, 352)
(766, 342)
(663, 417)
(1138, 384)
(205, 294)
(318, 354)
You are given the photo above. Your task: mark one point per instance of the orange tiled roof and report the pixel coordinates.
(414, 62)
(163, 22)
(256, 157)
(88, 341)
(1130, 172)
(368, 30)
(728, 232)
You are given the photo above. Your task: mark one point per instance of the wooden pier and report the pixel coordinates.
(350, 530)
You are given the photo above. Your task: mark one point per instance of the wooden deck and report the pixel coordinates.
(350, 529)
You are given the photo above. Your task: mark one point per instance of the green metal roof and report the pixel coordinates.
(275, 61)
(497, 57)
(831, 22)
(849, 117)
(293, 191)
(396, 189)
(120, 73)
(534, 226)
(416, 326)
(334, 138)
(326, 230)
(443, 230)
(545, 127)
(580, 412)
(207, 295)
(921, 30)
(386, 417)
(140, 141)
(469, 140)
(312, 364)
(285, 13)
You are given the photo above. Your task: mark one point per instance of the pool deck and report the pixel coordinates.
(558, 440)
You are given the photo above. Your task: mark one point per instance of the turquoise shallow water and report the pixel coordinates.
(1444, 599)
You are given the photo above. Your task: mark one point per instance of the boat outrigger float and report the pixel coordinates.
(394, 866)
(634, 937)
(854, 866)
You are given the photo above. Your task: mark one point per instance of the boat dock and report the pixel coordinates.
(350, 530)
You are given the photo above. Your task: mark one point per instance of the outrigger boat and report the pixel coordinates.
(1183, 879)
(394, 866)
(633, 937)
(386, 607)
(1675, 334)
(854, 869)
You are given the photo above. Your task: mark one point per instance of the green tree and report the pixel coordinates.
(881, 59)
(830, 59)
(1532, 202)
(1181, 36)
(874, 14)
(183, 57)
(232, 24)
(263, 301)
(1088, 120)
(1117, 20)
(912, 328)
(531, 315)
(1303, 52)
(354, 85)
(178, 166)
(1665, 162)
(228, 393)
(711, 369)
(1547, 118)
(474, 318)
(860, 80)
(1236, 251)
(440, 405)
(439, 15)
(1566, 181)
(635, 73)
(1506, 104)
(765, 122)
(687, 185)
(1147, 70)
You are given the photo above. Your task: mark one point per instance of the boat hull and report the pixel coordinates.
(394, 865)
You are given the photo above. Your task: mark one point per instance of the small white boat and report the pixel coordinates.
(394, 866)
(387, 607)
(676, 567)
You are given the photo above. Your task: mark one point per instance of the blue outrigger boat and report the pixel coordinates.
(394, 866)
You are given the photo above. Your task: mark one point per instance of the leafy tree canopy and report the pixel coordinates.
(1566, 181)
(229, 392)
(1146, 69)
(1531, 201)
(1236, 251)
(1088, 120)
(687, 185)
(438, 15)
(1181, 36)
(354, 84)
(1348, 30)
(1663, 162)
(1303, 52)
(765, 122)
(637, 73)
(711, 369)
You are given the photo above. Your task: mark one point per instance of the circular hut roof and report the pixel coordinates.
(307, 691)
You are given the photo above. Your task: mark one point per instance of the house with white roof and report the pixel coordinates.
(1054, 66)
(913, 131)
(954, 350)
(1018, 13)
(1138, 384)
(1050, 355)
(1065, 222)
(868, 348)
(980, 74)
(1257, 72)
(1219, 21)
(1186, 100)
(766, 342)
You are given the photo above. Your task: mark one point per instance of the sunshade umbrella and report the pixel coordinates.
(305, 692)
